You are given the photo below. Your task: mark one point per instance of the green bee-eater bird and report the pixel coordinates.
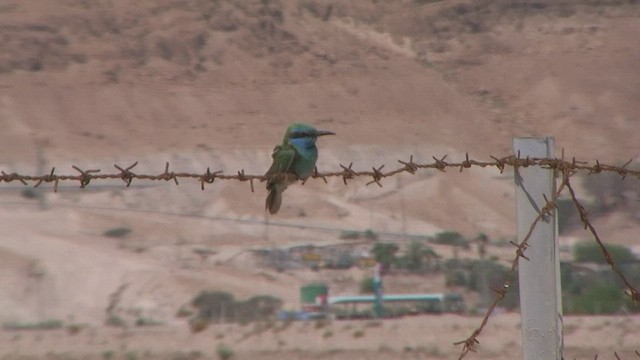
(296, 155)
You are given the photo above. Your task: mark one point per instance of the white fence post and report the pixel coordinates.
(540, 295)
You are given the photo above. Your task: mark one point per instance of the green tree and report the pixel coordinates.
(417, 257)
(568, 216)
(606, 188)
(588, 291)
(452, 238)
(466, 272)
(602, 298)
(385, 253)
(367, 286)
(412, 258)
(214, 306)
(589, 251)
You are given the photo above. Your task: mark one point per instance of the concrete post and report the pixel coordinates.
(540, 295)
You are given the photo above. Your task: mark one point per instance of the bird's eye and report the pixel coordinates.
(299, 134)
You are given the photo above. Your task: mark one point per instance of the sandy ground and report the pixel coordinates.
(214, 84)
(423, 337)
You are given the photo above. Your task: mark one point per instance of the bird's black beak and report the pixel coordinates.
(324, 132)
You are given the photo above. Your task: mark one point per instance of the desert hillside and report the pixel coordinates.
(213, 84)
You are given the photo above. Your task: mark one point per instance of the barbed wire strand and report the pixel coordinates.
(347, 173)
(560, 166)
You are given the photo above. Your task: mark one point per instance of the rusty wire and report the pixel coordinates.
(560, 166)
(84, 177)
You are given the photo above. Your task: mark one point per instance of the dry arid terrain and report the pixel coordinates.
(214, 84)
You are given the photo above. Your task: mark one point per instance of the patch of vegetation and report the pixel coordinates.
(354, 234)
(224, 352)
(568, 216)
(184, 312)
(117, 232)
(385, 253)
(608, 190)
(54, 355)
(430, 351)
(191, 355)
(115, 321)
(145, 321)
(589, 251)
(349, 235)
(474, 274)
(51, 324)
(367, 286)
(343, 260)
(418, 258)
(589, 289)
(592, 293)
(600, 298)
(73, 329)
(221, 307)
(261, 307)
(370, 235)
(452, 238)
(214, 305)
(198, 324)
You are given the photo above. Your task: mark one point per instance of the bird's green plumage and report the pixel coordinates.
(297, 156)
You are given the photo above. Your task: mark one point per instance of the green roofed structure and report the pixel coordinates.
(435, 302)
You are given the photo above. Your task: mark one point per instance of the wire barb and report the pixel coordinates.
(440, 164)
(208, 177)
(409, 166)
(348, 173)
(466, 163)
(377, 175)
(47, 178)
(125, 174)
(243, 177)
(85, 176)
(316, 174)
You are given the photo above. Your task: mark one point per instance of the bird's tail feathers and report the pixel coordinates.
(274, 198)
